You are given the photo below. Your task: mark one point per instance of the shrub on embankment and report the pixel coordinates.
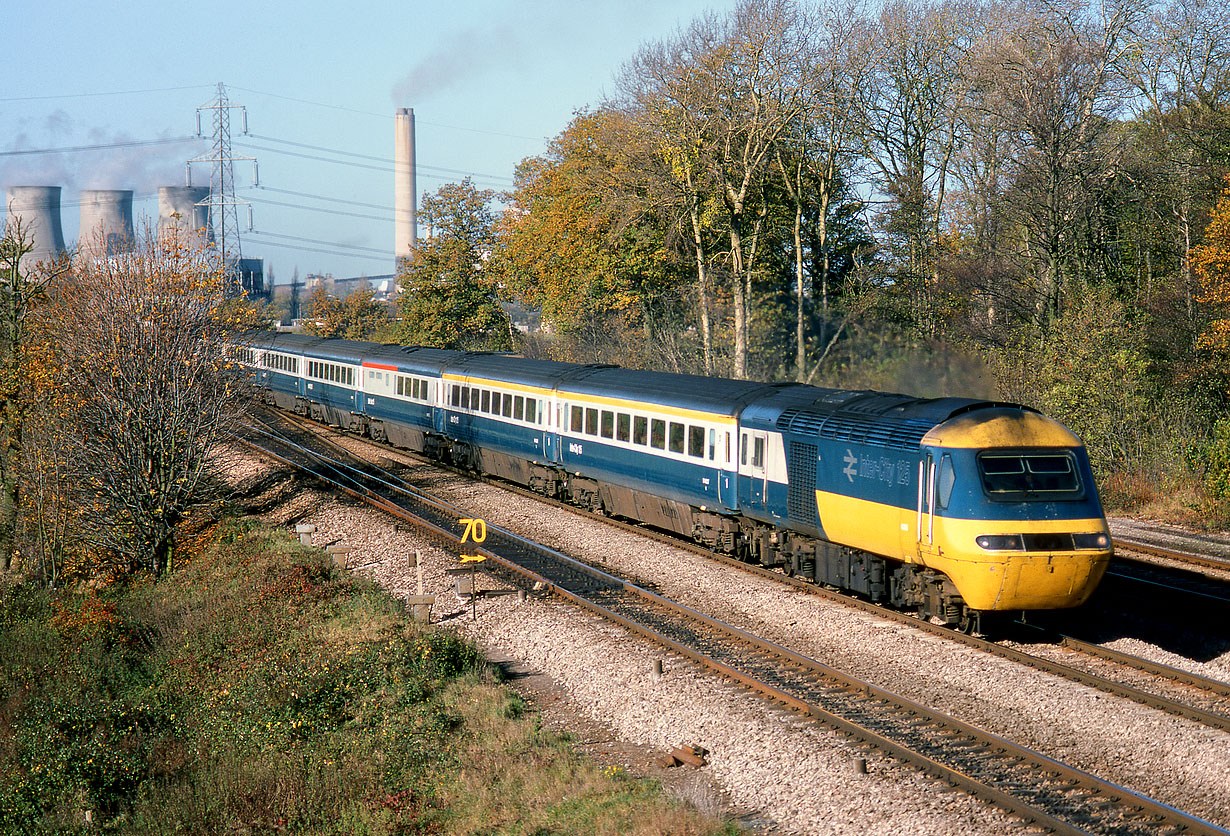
(258, 690)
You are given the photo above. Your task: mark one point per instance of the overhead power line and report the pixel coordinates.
(425, 171)
(388, 160)
(358, 247)
(264, 188)
(103, 93)
(300, 247)
(105, 146)
(421, 121)
(266, 200)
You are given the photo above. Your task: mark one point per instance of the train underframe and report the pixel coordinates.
(930, 594)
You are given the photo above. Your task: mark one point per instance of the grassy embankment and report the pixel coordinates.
(259, 691)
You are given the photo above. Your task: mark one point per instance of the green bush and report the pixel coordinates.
(259, 691)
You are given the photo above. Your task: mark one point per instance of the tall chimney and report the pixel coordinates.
(405, 231)
(38, 208)
(106, 222)
(180, 208)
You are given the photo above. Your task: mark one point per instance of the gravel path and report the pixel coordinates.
(786, 775)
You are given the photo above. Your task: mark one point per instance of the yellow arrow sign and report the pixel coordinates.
(472, 558)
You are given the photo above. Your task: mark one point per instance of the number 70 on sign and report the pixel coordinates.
(475, 531)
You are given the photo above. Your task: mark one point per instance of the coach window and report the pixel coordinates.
(486, 400)
(623, 426)
(640, 430)
(743, 449)
(507, 411)
(677, 434)
(591, 421)
(608, 424)
(657, 434)
(474, 399)
(712, 444)
(519, 407)
(696, 441)
(531, 410)
(578, 419)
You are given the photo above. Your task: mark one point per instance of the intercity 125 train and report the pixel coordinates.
(952, 507)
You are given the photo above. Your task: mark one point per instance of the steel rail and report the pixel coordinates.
(1205, 561)
(1074, 794)
(1216, 688)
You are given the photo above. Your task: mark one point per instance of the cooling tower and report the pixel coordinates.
(38, 207)
(193, 219)
(106, 222)
(405, 233)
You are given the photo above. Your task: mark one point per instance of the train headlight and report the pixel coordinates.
(1000, 542)
(1091, 541)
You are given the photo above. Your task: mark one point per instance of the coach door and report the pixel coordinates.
(925, 524)
(752, 470)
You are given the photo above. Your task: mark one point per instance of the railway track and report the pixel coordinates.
(1042, 791)
(1158, 686)
(1134, 551)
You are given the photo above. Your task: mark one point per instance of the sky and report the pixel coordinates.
(491, 83)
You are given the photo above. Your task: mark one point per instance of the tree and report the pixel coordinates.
(584, 240)
(1179, 65)
(144, 391)
(1211, 263)
(448, 296)
(727, 91)
(908, 115)
(22, 289)
(357, 317)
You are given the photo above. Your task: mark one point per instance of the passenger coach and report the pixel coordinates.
(951, 506)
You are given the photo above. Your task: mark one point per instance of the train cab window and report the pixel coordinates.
(623, 426)
(608, 424)
(1018, 476)
(577, 419)
(519, 407)
(591, 421)
(945, 480)
(758, 452)
(696, 441)
(486, 401)
(531, 410)
(640, 430)
(657, 434)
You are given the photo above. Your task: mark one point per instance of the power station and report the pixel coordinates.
(107, 227)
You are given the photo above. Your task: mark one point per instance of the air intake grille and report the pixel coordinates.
(858, 429)
(801, 495)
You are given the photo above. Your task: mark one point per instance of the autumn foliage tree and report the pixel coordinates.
(449, 296)
(1211, 263)
(357, 317)
(142, 392)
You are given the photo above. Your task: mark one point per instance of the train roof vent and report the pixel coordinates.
(857, 429)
